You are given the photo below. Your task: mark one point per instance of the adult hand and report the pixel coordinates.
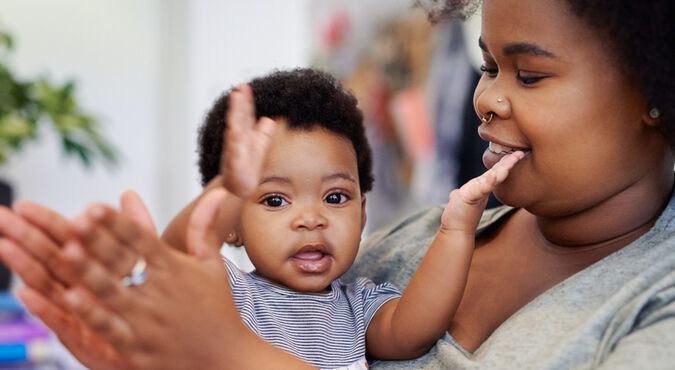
(31, 248)
(183, 316)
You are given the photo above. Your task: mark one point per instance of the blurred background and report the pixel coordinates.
(145, 72)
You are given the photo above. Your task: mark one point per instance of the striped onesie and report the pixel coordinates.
(327, 330)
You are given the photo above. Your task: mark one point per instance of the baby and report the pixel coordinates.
(300, 182)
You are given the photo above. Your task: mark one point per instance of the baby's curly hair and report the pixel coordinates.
(307, 99)
(640, 34)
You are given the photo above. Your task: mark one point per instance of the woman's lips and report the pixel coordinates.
(495, 152)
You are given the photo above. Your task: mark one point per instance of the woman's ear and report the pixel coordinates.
(233, 239)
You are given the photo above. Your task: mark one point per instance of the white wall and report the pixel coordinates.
(149, 69)
(111, 49)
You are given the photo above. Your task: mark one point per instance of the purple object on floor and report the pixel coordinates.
(21, 331)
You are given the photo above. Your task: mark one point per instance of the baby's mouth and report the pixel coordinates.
(313, 258)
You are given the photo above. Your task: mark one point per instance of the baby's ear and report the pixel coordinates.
(363, 213)
(234, 239)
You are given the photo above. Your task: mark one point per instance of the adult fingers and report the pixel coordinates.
(104, 246)
(128, 233)
(32, 239)
(57, 227)
(96, 278)
(103, 322)
(133, 206)
(82, 343)
(33, 273)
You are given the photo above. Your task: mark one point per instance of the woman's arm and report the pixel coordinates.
(408, 327)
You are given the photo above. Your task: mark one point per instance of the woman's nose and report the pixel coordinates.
(491, 99)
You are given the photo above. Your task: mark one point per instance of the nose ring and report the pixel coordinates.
(486, 120)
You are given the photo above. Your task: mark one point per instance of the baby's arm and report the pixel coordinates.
(408, 327)
(246, 144)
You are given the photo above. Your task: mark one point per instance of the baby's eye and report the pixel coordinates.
(275, 201)
(336, 198)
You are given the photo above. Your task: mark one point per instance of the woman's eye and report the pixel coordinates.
(527, 78)
(490, 71)
(275, 201)
(336, 198)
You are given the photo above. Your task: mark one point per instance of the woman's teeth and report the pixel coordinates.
(500, 149)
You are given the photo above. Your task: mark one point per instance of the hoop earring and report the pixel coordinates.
(486, 120)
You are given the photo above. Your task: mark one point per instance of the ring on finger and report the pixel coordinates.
(138, 274)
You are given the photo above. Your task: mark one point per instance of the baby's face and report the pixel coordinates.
(302, 226)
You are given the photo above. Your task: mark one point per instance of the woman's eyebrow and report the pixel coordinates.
(527, 48)
(521, 48)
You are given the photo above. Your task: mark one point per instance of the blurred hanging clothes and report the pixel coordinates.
(458, 148)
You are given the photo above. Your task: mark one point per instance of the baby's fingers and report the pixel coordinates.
(504, 166)
(479, 188)
(241, 111)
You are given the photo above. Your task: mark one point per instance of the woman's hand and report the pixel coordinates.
(31, 248)
(183, 316)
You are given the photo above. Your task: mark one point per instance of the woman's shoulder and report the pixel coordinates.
(393, 253)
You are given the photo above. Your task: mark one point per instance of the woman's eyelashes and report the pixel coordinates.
(524, 78)
(529, 78)
(488, 70)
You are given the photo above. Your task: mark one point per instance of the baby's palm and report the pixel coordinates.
(246, 143)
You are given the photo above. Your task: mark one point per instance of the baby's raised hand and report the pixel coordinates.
(466, 204)
(246, 143)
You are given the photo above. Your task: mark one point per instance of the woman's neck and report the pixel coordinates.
(614, 222)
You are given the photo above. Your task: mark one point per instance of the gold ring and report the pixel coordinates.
(487, 119)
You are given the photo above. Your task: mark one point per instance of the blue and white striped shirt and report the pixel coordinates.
(326, 330)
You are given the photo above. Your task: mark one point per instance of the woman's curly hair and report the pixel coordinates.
(640, 34)
(307, 99)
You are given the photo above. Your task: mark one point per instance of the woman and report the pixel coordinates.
(579, 274)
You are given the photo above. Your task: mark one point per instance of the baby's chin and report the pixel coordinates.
(313, 284)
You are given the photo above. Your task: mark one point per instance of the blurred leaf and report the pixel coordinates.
(25, 104)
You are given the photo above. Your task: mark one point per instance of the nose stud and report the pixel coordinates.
(499, 100)
(486, 120)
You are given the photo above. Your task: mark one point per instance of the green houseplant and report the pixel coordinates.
(26, 104)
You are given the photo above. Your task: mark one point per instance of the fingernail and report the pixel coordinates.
(97, 212)
(81, 224)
